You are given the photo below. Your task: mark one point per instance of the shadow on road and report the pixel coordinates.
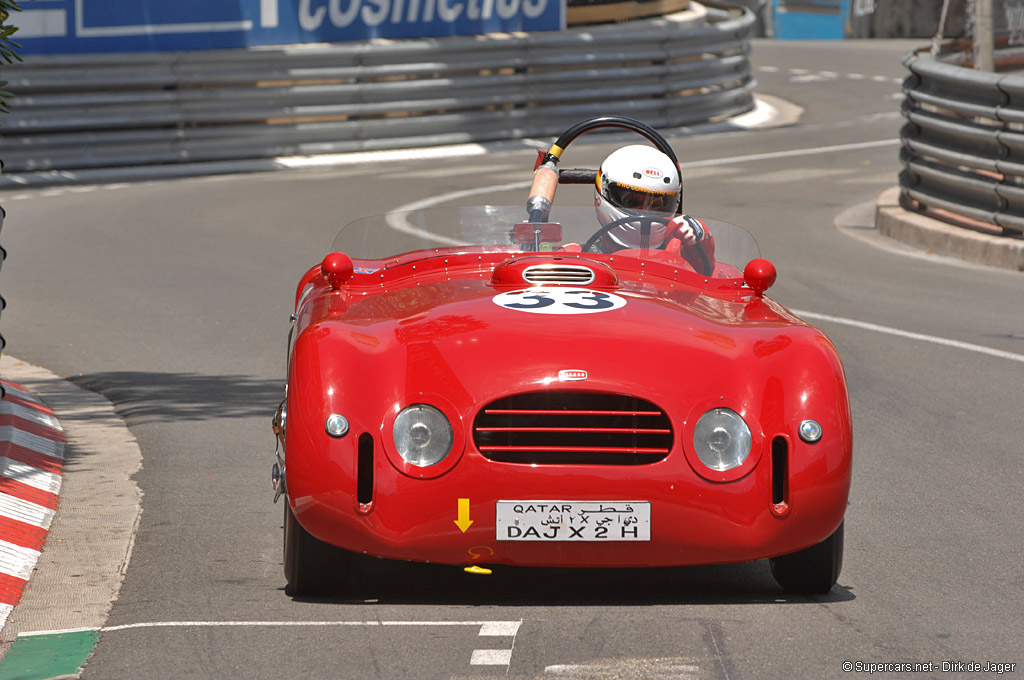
(377, 582)
(145, 397)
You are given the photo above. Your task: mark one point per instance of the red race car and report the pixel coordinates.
(491, 386)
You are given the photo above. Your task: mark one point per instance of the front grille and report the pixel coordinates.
(574, 428)
(558, 273)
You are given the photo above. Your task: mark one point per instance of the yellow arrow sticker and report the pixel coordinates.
(463, 522)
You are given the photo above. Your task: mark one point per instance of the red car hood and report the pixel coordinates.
(452, 338)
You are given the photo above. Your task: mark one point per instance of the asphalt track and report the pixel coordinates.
(169, 300)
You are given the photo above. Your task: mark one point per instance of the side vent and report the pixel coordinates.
(780, 476)
(364, 470)
(572, 274)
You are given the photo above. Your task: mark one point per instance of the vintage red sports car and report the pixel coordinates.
(468, 386)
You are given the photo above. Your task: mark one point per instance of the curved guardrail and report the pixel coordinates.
(963, 141)
(107, 111)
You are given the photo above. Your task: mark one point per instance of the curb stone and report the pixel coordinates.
(940, 238)
(31, 465)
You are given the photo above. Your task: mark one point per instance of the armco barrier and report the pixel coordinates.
(963, 142)
(105, 111)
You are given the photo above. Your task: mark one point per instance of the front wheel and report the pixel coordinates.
(811, 571)
(311, 567)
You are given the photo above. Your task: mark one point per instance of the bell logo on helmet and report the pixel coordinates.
(572, 374)
(653, 172)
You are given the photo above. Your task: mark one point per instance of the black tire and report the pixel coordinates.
(311, 567)
(811, 571)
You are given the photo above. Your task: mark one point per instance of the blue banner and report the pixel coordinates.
(77, 26)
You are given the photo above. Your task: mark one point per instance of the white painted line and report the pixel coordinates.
(42, 445)
(661, 668)
(791, 153)
(491, 657)
(810, 78)
(28, 474)
(484, 625)
(17, 561)
(428, 153)
(64, 631)
(500, 628)
(956, 344)
(23, 511)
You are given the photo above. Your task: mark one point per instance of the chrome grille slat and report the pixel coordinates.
(583, 428)
(576, 275)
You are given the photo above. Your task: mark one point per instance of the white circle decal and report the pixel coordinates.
(559, 301)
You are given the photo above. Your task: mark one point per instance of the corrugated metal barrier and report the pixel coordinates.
(963, 142)
(106, 111)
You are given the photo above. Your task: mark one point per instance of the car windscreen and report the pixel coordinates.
(446, 230)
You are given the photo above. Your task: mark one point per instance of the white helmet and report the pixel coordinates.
(637, 180)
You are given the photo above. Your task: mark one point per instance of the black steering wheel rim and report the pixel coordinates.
(644, 219)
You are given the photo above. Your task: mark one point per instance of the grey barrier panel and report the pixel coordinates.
(963, 143)
(102, 111)
(3, 302)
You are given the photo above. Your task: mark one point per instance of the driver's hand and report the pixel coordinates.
(687, 229)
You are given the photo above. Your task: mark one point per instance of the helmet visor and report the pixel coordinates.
(631, 197)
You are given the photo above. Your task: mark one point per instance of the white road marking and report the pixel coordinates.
(648, 669)
(792, 152)
(491, 657)
(956, 344)
(812, 78)
(792, 176)
(500, 628)
(484, 625)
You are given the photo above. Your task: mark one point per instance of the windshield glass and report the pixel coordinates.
(446, 230)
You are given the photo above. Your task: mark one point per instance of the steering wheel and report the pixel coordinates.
(646, 224)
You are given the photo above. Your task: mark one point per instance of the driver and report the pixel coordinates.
(640, 180)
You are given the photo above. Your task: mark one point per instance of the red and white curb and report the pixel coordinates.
(31, 462)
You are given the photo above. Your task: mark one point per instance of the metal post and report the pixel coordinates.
(940, 33)
(984, 59)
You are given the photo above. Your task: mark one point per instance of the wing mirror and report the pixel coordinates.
(759, 275)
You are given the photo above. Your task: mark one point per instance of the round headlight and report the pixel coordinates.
(423, 435)
(721, 439)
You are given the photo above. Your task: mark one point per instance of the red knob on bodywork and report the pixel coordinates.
(760, 275)
(337, 269)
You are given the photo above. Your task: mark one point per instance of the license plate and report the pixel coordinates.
(573, 521)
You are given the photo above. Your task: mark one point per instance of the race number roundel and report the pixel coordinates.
(559, 301)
